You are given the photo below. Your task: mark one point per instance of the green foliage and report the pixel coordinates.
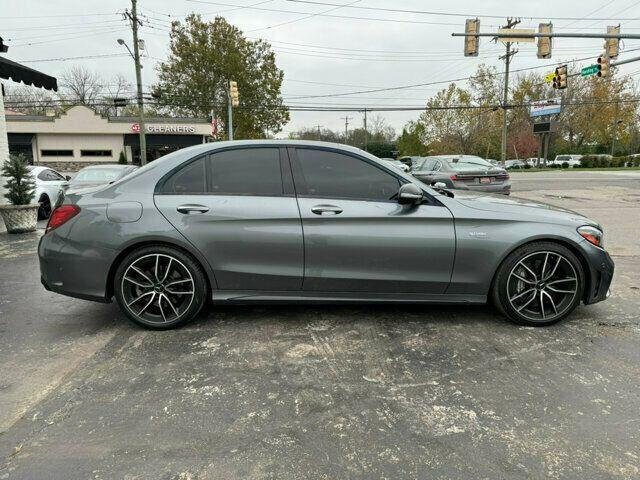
(20, 185)
(203, 58)
(122, 159)
(382, 149)
(410, 143)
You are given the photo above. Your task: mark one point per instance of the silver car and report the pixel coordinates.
(463, 172)
(260, 221)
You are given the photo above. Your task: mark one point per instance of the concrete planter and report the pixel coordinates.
(20, 218)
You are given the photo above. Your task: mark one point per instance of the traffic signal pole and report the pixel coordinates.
(230, 122)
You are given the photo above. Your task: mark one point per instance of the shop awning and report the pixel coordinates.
(19, 73)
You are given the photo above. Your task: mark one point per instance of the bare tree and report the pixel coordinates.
(80, 86)
(30, 100)
(118, 88)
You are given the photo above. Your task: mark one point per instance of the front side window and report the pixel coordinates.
(336, 175)
(190, 179)
(246, 171)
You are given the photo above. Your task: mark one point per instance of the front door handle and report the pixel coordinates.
(326, 210)
(192, 208)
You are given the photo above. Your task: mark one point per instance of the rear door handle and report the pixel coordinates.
(326, 210)
(191, 208)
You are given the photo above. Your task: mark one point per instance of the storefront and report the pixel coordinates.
(81, 137)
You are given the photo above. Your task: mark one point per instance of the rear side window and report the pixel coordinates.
(190, 179)
(335, 175)
(247, 171)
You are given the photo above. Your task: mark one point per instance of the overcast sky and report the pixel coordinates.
(315, 45)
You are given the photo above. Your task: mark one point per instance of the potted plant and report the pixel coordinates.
(21, 215)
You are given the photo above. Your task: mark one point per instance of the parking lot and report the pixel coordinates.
(329, 391)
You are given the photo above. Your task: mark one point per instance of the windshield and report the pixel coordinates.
(105, 175)
(465, 164)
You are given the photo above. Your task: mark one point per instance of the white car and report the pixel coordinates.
(572, 160)
(49, 184)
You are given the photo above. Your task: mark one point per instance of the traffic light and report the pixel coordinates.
(471, 43)
(603, 65)
(233, 93)
(612, 45)
(560, 78)
(544, 43)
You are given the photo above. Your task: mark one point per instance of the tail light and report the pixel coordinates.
(454, 178)
(61, 215)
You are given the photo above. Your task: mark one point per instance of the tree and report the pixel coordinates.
(203, 58)
(119, 88)
(410, 142)
(30, 100)
(80, 86)
(20, 185)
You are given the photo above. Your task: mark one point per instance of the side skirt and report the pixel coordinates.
(240, 296)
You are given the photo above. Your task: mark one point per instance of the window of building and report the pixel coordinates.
(95, 153)
(335, 175)
(190, 179)
(247, 171)
(56, 153)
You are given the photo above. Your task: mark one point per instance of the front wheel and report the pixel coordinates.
(160, 287)
(539, 284)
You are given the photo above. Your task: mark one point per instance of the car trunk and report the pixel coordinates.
(481, 177)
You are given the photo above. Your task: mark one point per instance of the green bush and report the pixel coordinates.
(20, 185)
(122, 159)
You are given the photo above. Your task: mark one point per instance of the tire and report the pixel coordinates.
(551, 296)
(160, 287)
(44, 210)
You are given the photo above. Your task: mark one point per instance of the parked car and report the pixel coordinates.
(278, 220)
(396, 164)
(463, 172)
(514, 164)
(48, 185)
(572, 160)
(97, 175)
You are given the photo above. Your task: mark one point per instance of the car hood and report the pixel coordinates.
(521, 207)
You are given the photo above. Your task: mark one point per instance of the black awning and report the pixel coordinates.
(19, 73)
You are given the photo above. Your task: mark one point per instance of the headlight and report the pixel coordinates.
(592, 235)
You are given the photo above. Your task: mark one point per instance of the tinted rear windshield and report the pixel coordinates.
(98, 175)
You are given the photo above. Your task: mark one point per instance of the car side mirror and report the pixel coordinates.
(409, 194)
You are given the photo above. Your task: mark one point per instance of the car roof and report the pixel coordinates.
(108, 165)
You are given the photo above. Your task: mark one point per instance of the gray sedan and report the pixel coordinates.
(261, 221)
(463, 172)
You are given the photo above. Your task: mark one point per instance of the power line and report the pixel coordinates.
(82, 57)
(451, 14)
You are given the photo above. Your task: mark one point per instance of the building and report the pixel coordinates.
(80, 137)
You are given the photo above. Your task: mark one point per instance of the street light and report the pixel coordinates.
(136, 61)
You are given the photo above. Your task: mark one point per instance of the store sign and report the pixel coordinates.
(546, 107)
(164, 128)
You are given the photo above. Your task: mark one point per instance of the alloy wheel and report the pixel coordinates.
(158, 288)
(542, 286)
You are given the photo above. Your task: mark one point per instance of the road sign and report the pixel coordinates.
(550, 106)
(515, 32)
(590, 70)
(549, 77)
(135, 128)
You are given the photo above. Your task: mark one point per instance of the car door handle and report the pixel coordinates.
(187, 209)
(326, 210)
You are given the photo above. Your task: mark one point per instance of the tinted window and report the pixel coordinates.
(248, 171)
(50, 176)
(189, 179)
(334, 175)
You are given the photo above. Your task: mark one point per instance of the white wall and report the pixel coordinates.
(77, 142)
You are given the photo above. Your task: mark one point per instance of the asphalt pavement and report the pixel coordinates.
(328, 391)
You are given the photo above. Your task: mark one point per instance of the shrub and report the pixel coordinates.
(122, 159)
(20, 184)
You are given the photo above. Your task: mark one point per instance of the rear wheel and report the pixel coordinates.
(160, 287)
(539, 284)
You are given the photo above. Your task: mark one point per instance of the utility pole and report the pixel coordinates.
(346, 127)
(505, 96)
(234, 101)
(133, 16)
(366, 134)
